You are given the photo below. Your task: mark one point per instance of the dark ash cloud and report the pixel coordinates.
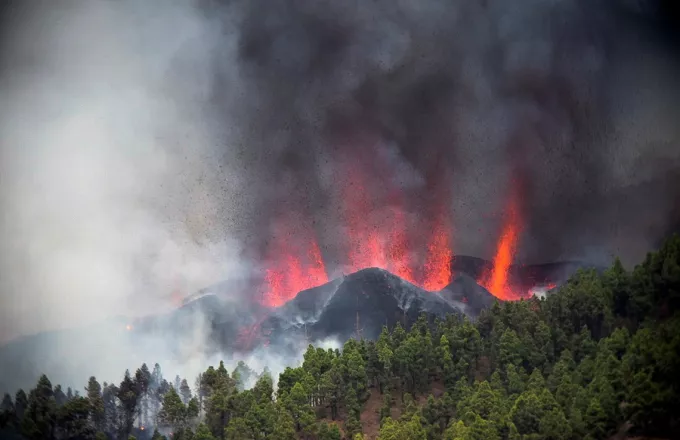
(570, 101)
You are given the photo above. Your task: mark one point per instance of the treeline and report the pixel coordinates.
(598, 358)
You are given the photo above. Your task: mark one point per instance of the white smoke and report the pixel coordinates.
(112, 200)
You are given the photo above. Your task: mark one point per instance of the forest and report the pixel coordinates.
(597, 359)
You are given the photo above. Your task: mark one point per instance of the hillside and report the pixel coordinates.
(597, 359)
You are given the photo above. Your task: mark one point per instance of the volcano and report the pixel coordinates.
(356, 305)
(353, 305)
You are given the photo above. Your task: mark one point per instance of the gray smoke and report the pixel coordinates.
(150, 147)
(569, 103)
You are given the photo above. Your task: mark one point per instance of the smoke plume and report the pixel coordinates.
(453, 103)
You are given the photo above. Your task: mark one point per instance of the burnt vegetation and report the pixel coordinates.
(596, 359)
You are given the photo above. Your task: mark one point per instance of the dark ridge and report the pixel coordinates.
(468, 295)
(356, 305)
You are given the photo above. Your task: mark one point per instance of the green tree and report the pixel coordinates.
(238, 429)
(129, 398)
(20, 403)
(510, 348)
(59, 396)
(527, 413)
(446, 362)
(39, 419)
(185, 391)
(353, 422)
(285, 426)
(72, 419)
(329, 431)
(173, 413)
(554, 426)
(203, 433)
(402, 430)
(297, 405)
(96, 402)
(595, 420)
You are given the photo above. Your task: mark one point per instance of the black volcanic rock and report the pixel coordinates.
(370, 298)
(466, 294)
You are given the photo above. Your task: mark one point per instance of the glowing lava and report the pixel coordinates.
(398, 248)
(381, 239)
(438, 261)
(496, 281)
(365, 244)
(375, 230)
(293, 274)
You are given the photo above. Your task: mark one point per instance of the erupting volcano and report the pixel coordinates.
(300, 265)
(376, 220)
(374, 227)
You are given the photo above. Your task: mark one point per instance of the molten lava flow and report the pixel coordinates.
(438, 261)
(496, 281)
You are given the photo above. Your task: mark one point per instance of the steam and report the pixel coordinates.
(114, 201)
(149, 148)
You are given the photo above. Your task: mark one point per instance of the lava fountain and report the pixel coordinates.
(295, 264)
(379, 222)
(496, 280)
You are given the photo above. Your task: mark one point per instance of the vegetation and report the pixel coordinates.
(598, 357)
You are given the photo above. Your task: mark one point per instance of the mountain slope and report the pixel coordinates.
(369, 298)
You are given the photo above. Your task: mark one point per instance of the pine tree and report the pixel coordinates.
(410, 429)
(203, 433)
(59, 396)
(7, 405)
(173, 413)
(127, 394)
(185, 391)
(72, 420)
(20, 403)
(143, 384)
(595, 420)
(554, 426)
(39, 419)
(527, 413)
(285, 426)
(96, 402)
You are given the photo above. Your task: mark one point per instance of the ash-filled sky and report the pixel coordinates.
(149, 147)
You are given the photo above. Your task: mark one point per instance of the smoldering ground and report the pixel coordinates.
(152, 147)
